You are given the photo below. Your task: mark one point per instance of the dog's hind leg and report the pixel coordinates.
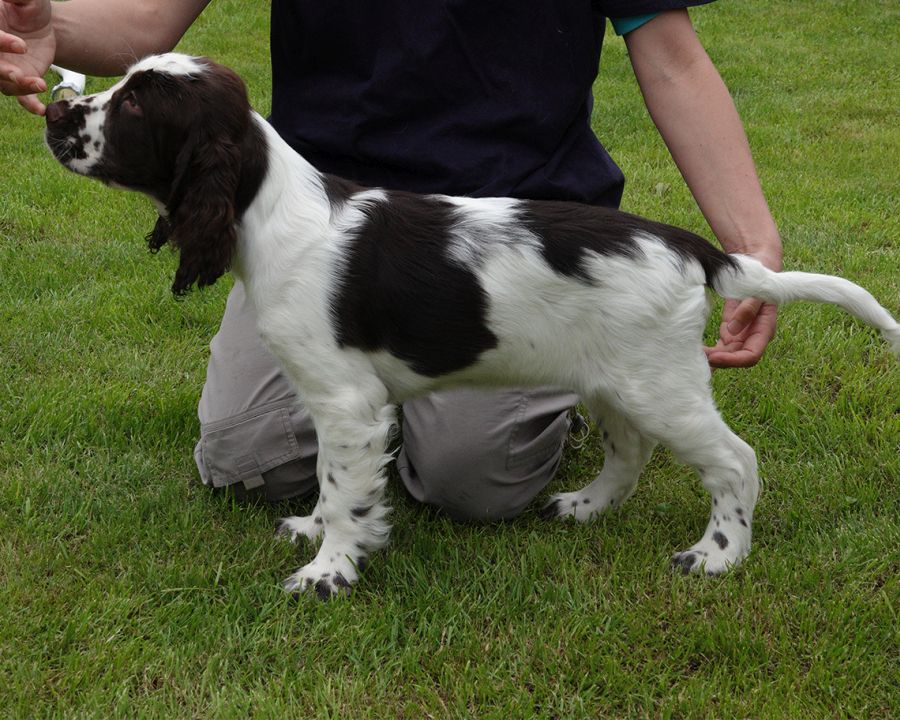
(354, 427)
(727, 468)
(690, 425)
(627, 451)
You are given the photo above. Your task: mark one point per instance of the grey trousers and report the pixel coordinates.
(479, 455)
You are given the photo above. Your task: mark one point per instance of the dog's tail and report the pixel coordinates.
(750, 278)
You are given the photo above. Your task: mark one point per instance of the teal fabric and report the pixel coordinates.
(624, 25)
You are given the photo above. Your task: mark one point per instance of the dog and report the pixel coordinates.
(368, 296)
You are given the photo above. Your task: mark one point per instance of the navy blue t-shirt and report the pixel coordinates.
(465, 97)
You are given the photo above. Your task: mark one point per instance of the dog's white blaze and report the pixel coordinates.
(172, 63)
(92, 134)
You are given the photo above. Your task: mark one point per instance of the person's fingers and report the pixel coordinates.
(13, 81)
(743, 358)
(723, 347)
(28, 99)
(32, 104)
(744, 315)
(740, 354)
(746, 349)
(12, 43)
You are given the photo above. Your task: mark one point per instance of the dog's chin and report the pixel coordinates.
(71, 153)
(67, 153)
(61, 149)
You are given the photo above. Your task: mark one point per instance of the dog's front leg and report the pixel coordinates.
(354, 427)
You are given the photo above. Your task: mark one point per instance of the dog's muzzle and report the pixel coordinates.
(65, 124)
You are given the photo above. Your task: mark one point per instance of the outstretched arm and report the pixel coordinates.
(96, 37)
(696, 118)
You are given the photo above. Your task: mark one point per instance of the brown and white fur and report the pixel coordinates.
(369, 296)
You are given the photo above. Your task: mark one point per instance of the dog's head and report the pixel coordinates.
(178, 129)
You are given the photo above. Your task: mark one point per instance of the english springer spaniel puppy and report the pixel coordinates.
(369, 296)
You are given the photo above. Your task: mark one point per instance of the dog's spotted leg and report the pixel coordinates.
(667, 397)
(727, 468)
(353, 432)
(308, 526)
(627, 451)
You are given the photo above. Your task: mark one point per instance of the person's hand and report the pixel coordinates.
(747, 325)
(745, 331)
(27, 47)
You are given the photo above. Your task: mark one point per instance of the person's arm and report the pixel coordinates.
(95, 37)
(100, 37)
(696, 118)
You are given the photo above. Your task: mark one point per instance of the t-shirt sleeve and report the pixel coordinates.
(625, 25)
(634, 8)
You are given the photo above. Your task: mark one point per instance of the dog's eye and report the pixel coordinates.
(129, 104)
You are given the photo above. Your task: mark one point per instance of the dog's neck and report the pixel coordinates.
(281, 199)
(254, 166)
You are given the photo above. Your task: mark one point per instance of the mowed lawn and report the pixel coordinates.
(127, 590)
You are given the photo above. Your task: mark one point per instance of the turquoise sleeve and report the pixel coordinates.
(627, 24)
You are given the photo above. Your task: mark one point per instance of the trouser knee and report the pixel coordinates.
(268, 452)
(483, 456)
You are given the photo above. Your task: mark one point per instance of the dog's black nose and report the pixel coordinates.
(57, 111)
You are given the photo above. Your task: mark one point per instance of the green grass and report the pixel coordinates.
(126, 590)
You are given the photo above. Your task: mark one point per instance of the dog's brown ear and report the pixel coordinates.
(201, 210)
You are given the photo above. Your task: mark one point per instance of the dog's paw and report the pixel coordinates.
(550, 510)
(581, 505)
(688, 561)
(710, 556)
(328, 578)
(293, 528)
(566, 505)
(326, 585)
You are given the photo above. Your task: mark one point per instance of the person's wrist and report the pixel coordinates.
(767, 249)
